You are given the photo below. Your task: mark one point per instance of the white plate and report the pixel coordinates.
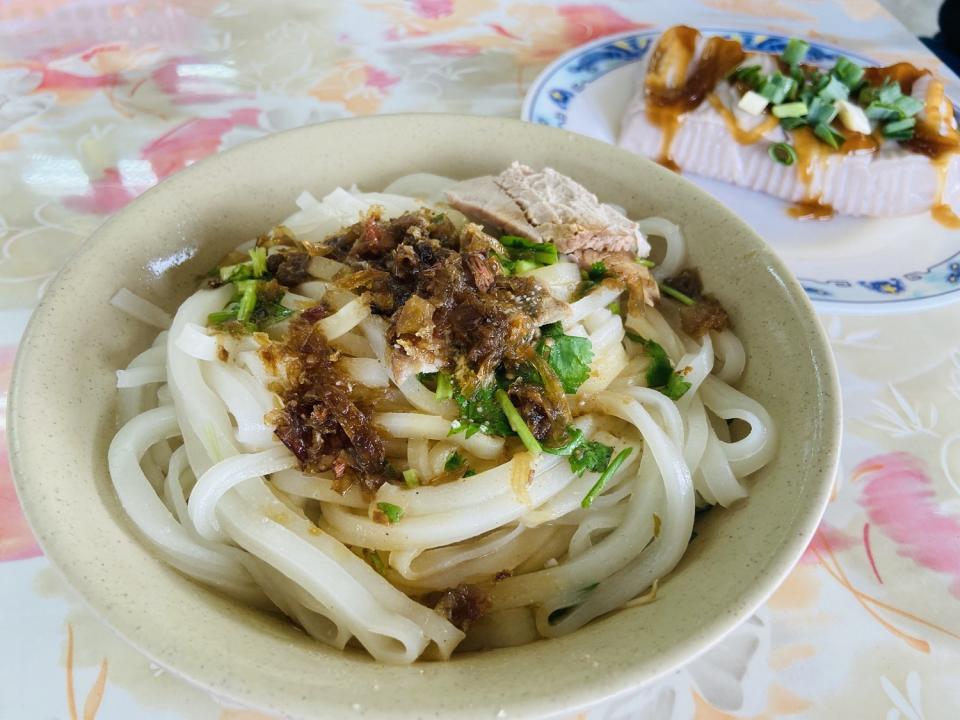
(858, 265)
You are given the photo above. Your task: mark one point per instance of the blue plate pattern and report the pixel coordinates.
(549, 99)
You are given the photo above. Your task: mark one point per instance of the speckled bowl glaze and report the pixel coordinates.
(62, 419)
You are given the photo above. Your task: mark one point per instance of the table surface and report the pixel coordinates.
(101, 99)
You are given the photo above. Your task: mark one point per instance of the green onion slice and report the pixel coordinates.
(783, 153)
(848, 72)
(795, 51)
(248, 299)
(830, 136)
(393, 512)
(444, 386)
(790, 110)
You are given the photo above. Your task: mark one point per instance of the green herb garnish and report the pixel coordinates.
(676, 295)
(660, 375)
(568, 356)
(591, 277)
(517, 423)
(834, 90)
(830, 136)
(410, 478)
(776, 87)
(591, 455)
(393, 512)
(250, 311)
(375, 561)
(848, 72)
(481, 412)
(790, 110)
(605, 477)
(783, 153)
(454, 462)
(676, 387)
(900, 129)
(575, 436)
(523, 254)
(444, 386)
(795, 51)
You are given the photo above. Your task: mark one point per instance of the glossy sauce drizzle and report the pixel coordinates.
(934, 135)
(742, 135)
(672, 89)
(677, 83)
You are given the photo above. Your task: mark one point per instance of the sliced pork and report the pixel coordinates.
(546, 206)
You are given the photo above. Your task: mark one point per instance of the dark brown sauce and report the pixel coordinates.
(934, 136)
(810, 210)
(945, 215)
(672, 90)
(906, 74)
(742, 135)
(857, 142)
(808, 149)
(668, 164)
(941, 211)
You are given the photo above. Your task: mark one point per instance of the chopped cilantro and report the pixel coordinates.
(260, 315)
(676, 387)
(470, 473)
(256, 267)
(454, 462)
(591, 277)
(393, 512)
(605, 477)
(521, 248)
(591, 455)
(517, 422)
(576, 438)
(597, 271)
(661, 375)
(567, 355)
(480, 413)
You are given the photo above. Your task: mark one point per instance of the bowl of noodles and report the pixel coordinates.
(374, 416)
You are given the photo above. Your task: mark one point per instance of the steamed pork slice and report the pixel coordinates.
(718, 140)
(546, 206)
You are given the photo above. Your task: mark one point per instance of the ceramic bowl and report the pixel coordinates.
(63, 405)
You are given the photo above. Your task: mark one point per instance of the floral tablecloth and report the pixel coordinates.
(101, 99)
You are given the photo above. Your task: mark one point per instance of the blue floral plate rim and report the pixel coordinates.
(936, 285)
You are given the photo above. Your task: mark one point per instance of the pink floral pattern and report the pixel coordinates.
(900, 499)
(16, 540)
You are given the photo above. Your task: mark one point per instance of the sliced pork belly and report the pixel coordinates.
(546, 206)
(711, 136)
